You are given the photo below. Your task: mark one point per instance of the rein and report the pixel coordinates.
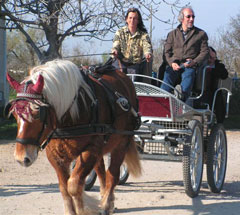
(89, 129)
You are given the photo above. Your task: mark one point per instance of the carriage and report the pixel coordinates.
(172, 130)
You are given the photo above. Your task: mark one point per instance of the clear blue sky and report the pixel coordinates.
(211, 15)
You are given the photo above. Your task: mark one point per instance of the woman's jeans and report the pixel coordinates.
(186, 75)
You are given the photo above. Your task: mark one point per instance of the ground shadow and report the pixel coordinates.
(221, 208)
(16, 190)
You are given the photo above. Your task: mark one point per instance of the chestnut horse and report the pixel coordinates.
(69, 112)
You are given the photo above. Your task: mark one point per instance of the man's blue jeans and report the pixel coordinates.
(187, 76)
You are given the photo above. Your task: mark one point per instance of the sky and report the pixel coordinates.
(211, 16)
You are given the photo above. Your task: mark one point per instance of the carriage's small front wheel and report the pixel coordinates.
(124, 174)
(193, 160)
(90, 180)
(216, 158)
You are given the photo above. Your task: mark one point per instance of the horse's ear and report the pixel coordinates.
(39, 85)
(15, 85)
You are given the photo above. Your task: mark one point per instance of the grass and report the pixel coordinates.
(8, 129)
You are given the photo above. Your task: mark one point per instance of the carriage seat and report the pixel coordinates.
(202, 95)
(202, 81)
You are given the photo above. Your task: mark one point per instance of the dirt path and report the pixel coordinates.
(34, 190)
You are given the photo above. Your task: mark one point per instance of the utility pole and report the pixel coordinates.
(4, 88)
(149, 65)
(150, 34)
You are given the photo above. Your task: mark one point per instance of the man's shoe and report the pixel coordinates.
(179, 93)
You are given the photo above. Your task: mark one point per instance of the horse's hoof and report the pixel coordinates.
(105, 213)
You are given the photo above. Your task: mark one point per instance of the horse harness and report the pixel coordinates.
(94, 128)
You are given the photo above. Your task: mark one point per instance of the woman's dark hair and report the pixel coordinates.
(210, 47)
(140, 25)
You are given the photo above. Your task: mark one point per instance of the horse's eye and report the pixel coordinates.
(36, 113)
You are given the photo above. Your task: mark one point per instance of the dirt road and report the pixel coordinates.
(34, 190)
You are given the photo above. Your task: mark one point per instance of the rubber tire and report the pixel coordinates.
(124, 174)
(216, 158)
(90, 180)
(192, 183)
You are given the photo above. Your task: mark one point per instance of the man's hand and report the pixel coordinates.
(115, 53)
(148, 57)
(175, 66)
(189, 63)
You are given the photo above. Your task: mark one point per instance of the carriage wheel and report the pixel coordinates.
(193, 160)
(216, 158)
(90, 180)
(124, 174)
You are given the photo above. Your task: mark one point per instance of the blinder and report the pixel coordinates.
(43, 113)
(6, 111)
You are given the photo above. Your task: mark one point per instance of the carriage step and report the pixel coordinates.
(145, 156)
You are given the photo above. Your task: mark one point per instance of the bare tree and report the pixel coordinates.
(59, 19)
(20, 55)
(228, 45)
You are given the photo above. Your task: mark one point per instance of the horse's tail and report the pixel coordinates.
(132, 159)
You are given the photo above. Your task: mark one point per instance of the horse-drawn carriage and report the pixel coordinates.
(56, 104)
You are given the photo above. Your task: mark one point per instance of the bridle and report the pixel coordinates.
(43, 110)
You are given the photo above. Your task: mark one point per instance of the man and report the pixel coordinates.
(185, 49)
(131, 43)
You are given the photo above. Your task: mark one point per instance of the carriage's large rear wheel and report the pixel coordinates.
(216, 158)
(193, 160)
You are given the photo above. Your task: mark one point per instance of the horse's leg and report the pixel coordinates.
(101, 173)
(112, 178)
(63, 175)
(84, 164)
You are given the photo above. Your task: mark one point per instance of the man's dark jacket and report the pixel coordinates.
(195, 46)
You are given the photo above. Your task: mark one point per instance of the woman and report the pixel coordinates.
(131, 43)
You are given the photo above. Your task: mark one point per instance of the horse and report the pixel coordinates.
(77, 116)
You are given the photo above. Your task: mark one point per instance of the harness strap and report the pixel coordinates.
(91, 129)
(94, 106)
(110, 96)
(30, 141)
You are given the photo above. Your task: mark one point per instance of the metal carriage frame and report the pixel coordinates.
(172, 130)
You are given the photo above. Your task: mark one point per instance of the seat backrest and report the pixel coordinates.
(202, 79)
(226, 83)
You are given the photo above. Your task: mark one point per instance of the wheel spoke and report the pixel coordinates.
(219, 159)
(195, 158)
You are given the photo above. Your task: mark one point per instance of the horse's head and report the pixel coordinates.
(30, 112)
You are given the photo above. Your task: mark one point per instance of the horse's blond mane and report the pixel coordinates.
(62, 80)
